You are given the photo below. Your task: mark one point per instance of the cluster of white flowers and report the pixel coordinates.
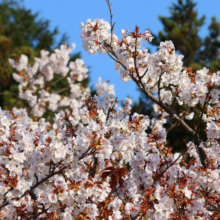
(65, 166)
(35, 81)
(103, 88)
(32, 151)
(93, 34)
(94, 161)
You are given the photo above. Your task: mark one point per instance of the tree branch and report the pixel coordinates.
(112, 25)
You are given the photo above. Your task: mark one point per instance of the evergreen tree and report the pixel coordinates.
(182, 27)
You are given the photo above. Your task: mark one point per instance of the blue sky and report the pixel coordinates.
(68, 14)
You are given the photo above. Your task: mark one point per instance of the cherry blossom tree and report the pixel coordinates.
(94, 162)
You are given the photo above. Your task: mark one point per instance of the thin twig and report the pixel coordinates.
(109, 111)
(135, 52)
(144, 73)
(181, 155)
(58, 80)
(159, 85)
(112, 25)
(203, 109)
(161, 153)
(11, 93)
(61, 90)
(115, 59)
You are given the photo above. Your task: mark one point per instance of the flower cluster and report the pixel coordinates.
(94, 162)
(98, 162)
(103, 88)
(35, 81)
(93, 34)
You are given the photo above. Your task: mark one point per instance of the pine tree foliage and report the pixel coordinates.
(183, 27)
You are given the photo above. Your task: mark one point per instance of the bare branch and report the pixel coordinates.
(112, 25)
(109, 111)
(58, 80)
(12, 93)
(160, 77)
(203, 109)
(61, 90)
(115, 59)
(144, 73)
